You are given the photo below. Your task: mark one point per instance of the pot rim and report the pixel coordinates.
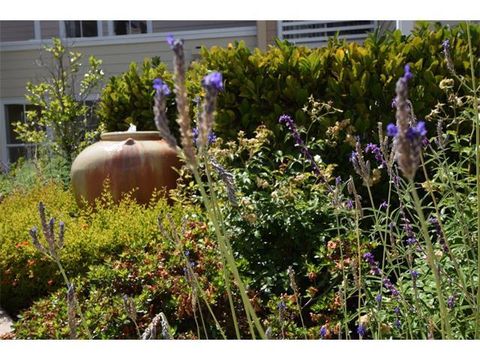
(135, 135)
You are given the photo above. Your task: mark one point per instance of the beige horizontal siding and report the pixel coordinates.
(17, 30)
(49, 29)
(167, 26)
(18, 67)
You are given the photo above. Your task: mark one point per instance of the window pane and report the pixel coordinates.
(15, 153)
(121, 27)
(138, 27)
(89, 28)
(13, 114)
(72, 29)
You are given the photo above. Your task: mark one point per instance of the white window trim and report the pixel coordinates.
(236, 32)
(37, 30)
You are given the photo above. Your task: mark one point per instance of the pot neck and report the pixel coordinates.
(135, 135)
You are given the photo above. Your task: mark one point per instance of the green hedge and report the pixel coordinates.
(260, 86)
(128, 97)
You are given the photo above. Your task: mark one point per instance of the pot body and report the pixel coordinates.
(139, 161)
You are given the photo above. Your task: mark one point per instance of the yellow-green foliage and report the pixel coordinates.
(90, 238)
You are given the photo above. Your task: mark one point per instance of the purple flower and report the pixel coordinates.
(417, 131)
(394, 103)
(211, 136)
(446, 45)
(290, 124)
(383, 205)
(323, 331)
(396, 310)
(411, 241)
(438, 230)
(392, 130)
(375, 149)
(161, 88)
(170, 40)
(378, 298)
(414, 274)
(407, 75)
(397, 323)
(451, 302)
(338, 180)
(374, 269)
(349, 204)
(281, 305)
(369, 258)
(214, 81)
(361, 330)
(389, 286)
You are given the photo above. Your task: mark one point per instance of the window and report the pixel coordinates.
(78, 29)
(127, 27)
(16, 149)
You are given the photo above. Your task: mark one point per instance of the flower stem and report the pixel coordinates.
(477, 168)
(446, 332)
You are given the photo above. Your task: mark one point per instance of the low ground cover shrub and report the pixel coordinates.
(91, 237)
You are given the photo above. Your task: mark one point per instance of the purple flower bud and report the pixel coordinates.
(396, 310)
(416, 132)
(392, 130)
(281, 305)
(446, 45)
(361, 330)
(383, 205)
(407, 75)
(414, 274)
(338, 180)
(369, 258)
(378, 298)
(161, 88)
(211, 136)
(451, 302)
(323, 331)
(349, 204)
(214, 80)
(170, 40)
(397, 323)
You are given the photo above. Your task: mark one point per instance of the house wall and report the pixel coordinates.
(49, 29)
(16, 30)
(18, 60)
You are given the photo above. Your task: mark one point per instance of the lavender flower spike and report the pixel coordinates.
(213, 83)
(407, 145)
(290, 124)
(182, 100)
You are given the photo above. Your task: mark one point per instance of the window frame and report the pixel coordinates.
(111, 28)
(4, 122)
(63, 30)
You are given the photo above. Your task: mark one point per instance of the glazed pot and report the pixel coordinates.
(130, 160)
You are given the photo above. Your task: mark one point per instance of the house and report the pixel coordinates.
(118, 43)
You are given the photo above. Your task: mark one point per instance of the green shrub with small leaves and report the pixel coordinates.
(128, 98)
(91, 237)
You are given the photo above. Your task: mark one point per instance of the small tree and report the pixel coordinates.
(62, 115)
